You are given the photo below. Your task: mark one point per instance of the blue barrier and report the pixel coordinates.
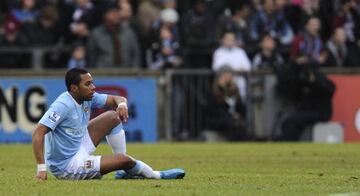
(24, 101)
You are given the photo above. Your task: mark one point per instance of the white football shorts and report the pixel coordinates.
(83, 166)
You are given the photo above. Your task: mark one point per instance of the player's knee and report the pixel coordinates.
(113, 116)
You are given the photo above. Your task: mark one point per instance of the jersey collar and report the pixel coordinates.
(72, 98)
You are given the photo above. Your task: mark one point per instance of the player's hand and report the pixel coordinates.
(41, 175)
(122, 111)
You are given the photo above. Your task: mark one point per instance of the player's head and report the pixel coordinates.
(80, 83)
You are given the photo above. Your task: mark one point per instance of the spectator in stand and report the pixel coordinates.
(326, 11)
(127, 21)
(338, 54)
(12, 38)
(295, 15)
(228, 54)
(165, 50)
(349, 19)
(256, 5)
(43, 31)
(78, 57)
(134, 4)
(268, 57)
(298, 12)
(167, 55)
(198, 34)
(126, 18)
(226, 113)
(308, 47)
(111, 44)
(148, 13)
(309, 92)
(168, 16)
(237, 23)
(271, 21)
(310, 7)
(169, 4)
(77, 20)
(25, 12)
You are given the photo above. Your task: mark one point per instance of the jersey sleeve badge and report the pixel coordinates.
(54, 117)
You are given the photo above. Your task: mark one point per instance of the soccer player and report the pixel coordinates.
(70, 138)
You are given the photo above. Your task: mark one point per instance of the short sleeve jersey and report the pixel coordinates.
(68, 122)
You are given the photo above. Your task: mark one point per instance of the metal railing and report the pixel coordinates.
(187, 96)
(37, 54)
(182, 95)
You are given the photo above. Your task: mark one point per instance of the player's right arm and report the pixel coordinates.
(38, 137)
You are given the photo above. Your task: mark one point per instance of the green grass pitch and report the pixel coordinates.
(211, 169)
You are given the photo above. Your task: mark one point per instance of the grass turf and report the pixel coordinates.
(211, 169)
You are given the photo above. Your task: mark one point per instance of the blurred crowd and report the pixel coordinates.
(161, 34)
(294, 38)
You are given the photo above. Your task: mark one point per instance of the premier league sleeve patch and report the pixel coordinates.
(54, 117)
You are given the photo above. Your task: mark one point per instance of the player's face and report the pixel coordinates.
(86, 87)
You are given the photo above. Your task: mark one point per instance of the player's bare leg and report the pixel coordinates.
(115, 162)
(102, 125)
(108, 123)
(131, 166)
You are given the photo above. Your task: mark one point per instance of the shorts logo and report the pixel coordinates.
(54, 117)
(89, 164)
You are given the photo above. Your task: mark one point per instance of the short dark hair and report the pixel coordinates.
(73, 77)
(109, 5)
(343, 2)
(238, 6)
(266, 35)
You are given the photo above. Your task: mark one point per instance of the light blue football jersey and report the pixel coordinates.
(68, 122)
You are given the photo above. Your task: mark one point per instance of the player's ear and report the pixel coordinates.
(74, 88)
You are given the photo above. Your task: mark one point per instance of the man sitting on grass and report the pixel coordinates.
(70, 138)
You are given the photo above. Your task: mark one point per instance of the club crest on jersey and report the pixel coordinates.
(86, 109)
(88, 164)
(54, 117)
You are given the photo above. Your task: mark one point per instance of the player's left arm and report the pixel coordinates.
(121, 106)
(38, 149)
